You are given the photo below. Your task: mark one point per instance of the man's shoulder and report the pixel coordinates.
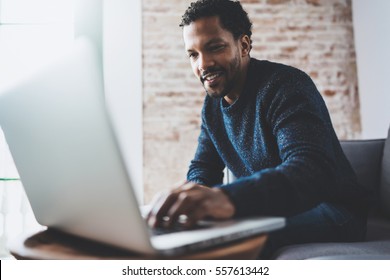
(271, 68)
(264, 74)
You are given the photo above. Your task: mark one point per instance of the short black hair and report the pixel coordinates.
(231, 14)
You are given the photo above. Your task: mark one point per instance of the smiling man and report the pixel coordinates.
(268, 124)
(216, 59)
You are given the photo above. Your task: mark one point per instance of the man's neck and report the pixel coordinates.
(230, 100)
(231, 97)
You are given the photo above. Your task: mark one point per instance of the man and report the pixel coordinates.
(268, 124)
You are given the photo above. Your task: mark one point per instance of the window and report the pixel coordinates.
(31, 32)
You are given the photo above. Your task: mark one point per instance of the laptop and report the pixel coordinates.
(64, 146)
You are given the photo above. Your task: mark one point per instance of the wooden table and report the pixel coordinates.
(50, 244)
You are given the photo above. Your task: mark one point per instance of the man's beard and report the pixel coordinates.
(229, 82)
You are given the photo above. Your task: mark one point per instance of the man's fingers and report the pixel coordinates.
(186, 204)
(198, 214)
(159, 203)
(169, 207)
(192, 201)
(160, 208)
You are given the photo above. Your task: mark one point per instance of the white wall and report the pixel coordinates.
(122, 56)
(115, 25)
(371, 21)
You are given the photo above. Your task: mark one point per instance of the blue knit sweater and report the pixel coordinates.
(278, 140)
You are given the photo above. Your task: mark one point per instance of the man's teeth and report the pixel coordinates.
(211, 77)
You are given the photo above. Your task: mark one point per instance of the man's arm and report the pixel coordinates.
(312, 168)
(194, 198)
(207, 167)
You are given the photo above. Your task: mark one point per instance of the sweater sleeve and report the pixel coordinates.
(307, 174)
(207, 167)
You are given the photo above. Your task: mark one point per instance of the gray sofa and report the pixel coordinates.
(371, 161)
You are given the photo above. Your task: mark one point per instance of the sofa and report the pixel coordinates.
(371, 161)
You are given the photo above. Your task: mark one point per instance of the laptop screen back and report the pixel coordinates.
(60, 136)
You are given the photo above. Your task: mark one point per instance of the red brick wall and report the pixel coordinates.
(313, 35)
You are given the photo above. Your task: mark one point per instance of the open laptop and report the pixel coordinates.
(67, 155)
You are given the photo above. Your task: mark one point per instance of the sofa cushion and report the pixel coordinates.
(378, 227)
(385, 178)
(354, 257)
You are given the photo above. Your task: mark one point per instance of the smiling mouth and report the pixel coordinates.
(211, 78)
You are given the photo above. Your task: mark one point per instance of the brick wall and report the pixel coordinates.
(313, 35)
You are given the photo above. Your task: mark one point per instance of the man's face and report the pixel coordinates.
(216, 57)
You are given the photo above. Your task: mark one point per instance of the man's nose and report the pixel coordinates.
(205, 62)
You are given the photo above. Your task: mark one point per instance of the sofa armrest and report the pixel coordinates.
(365, 157)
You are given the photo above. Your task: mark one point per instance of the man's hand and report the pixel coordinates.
(192, 201)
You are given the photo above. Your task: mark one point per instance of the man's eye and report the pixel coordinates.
(217, 48)
(192, 55)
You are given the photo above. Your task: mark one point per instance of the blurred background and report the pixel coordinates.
(154, 98)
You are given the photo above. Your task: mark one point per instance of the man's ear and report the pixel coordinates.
(245, 42)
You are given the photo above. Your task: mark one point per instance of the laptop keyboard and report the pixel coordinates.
(160, 231)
